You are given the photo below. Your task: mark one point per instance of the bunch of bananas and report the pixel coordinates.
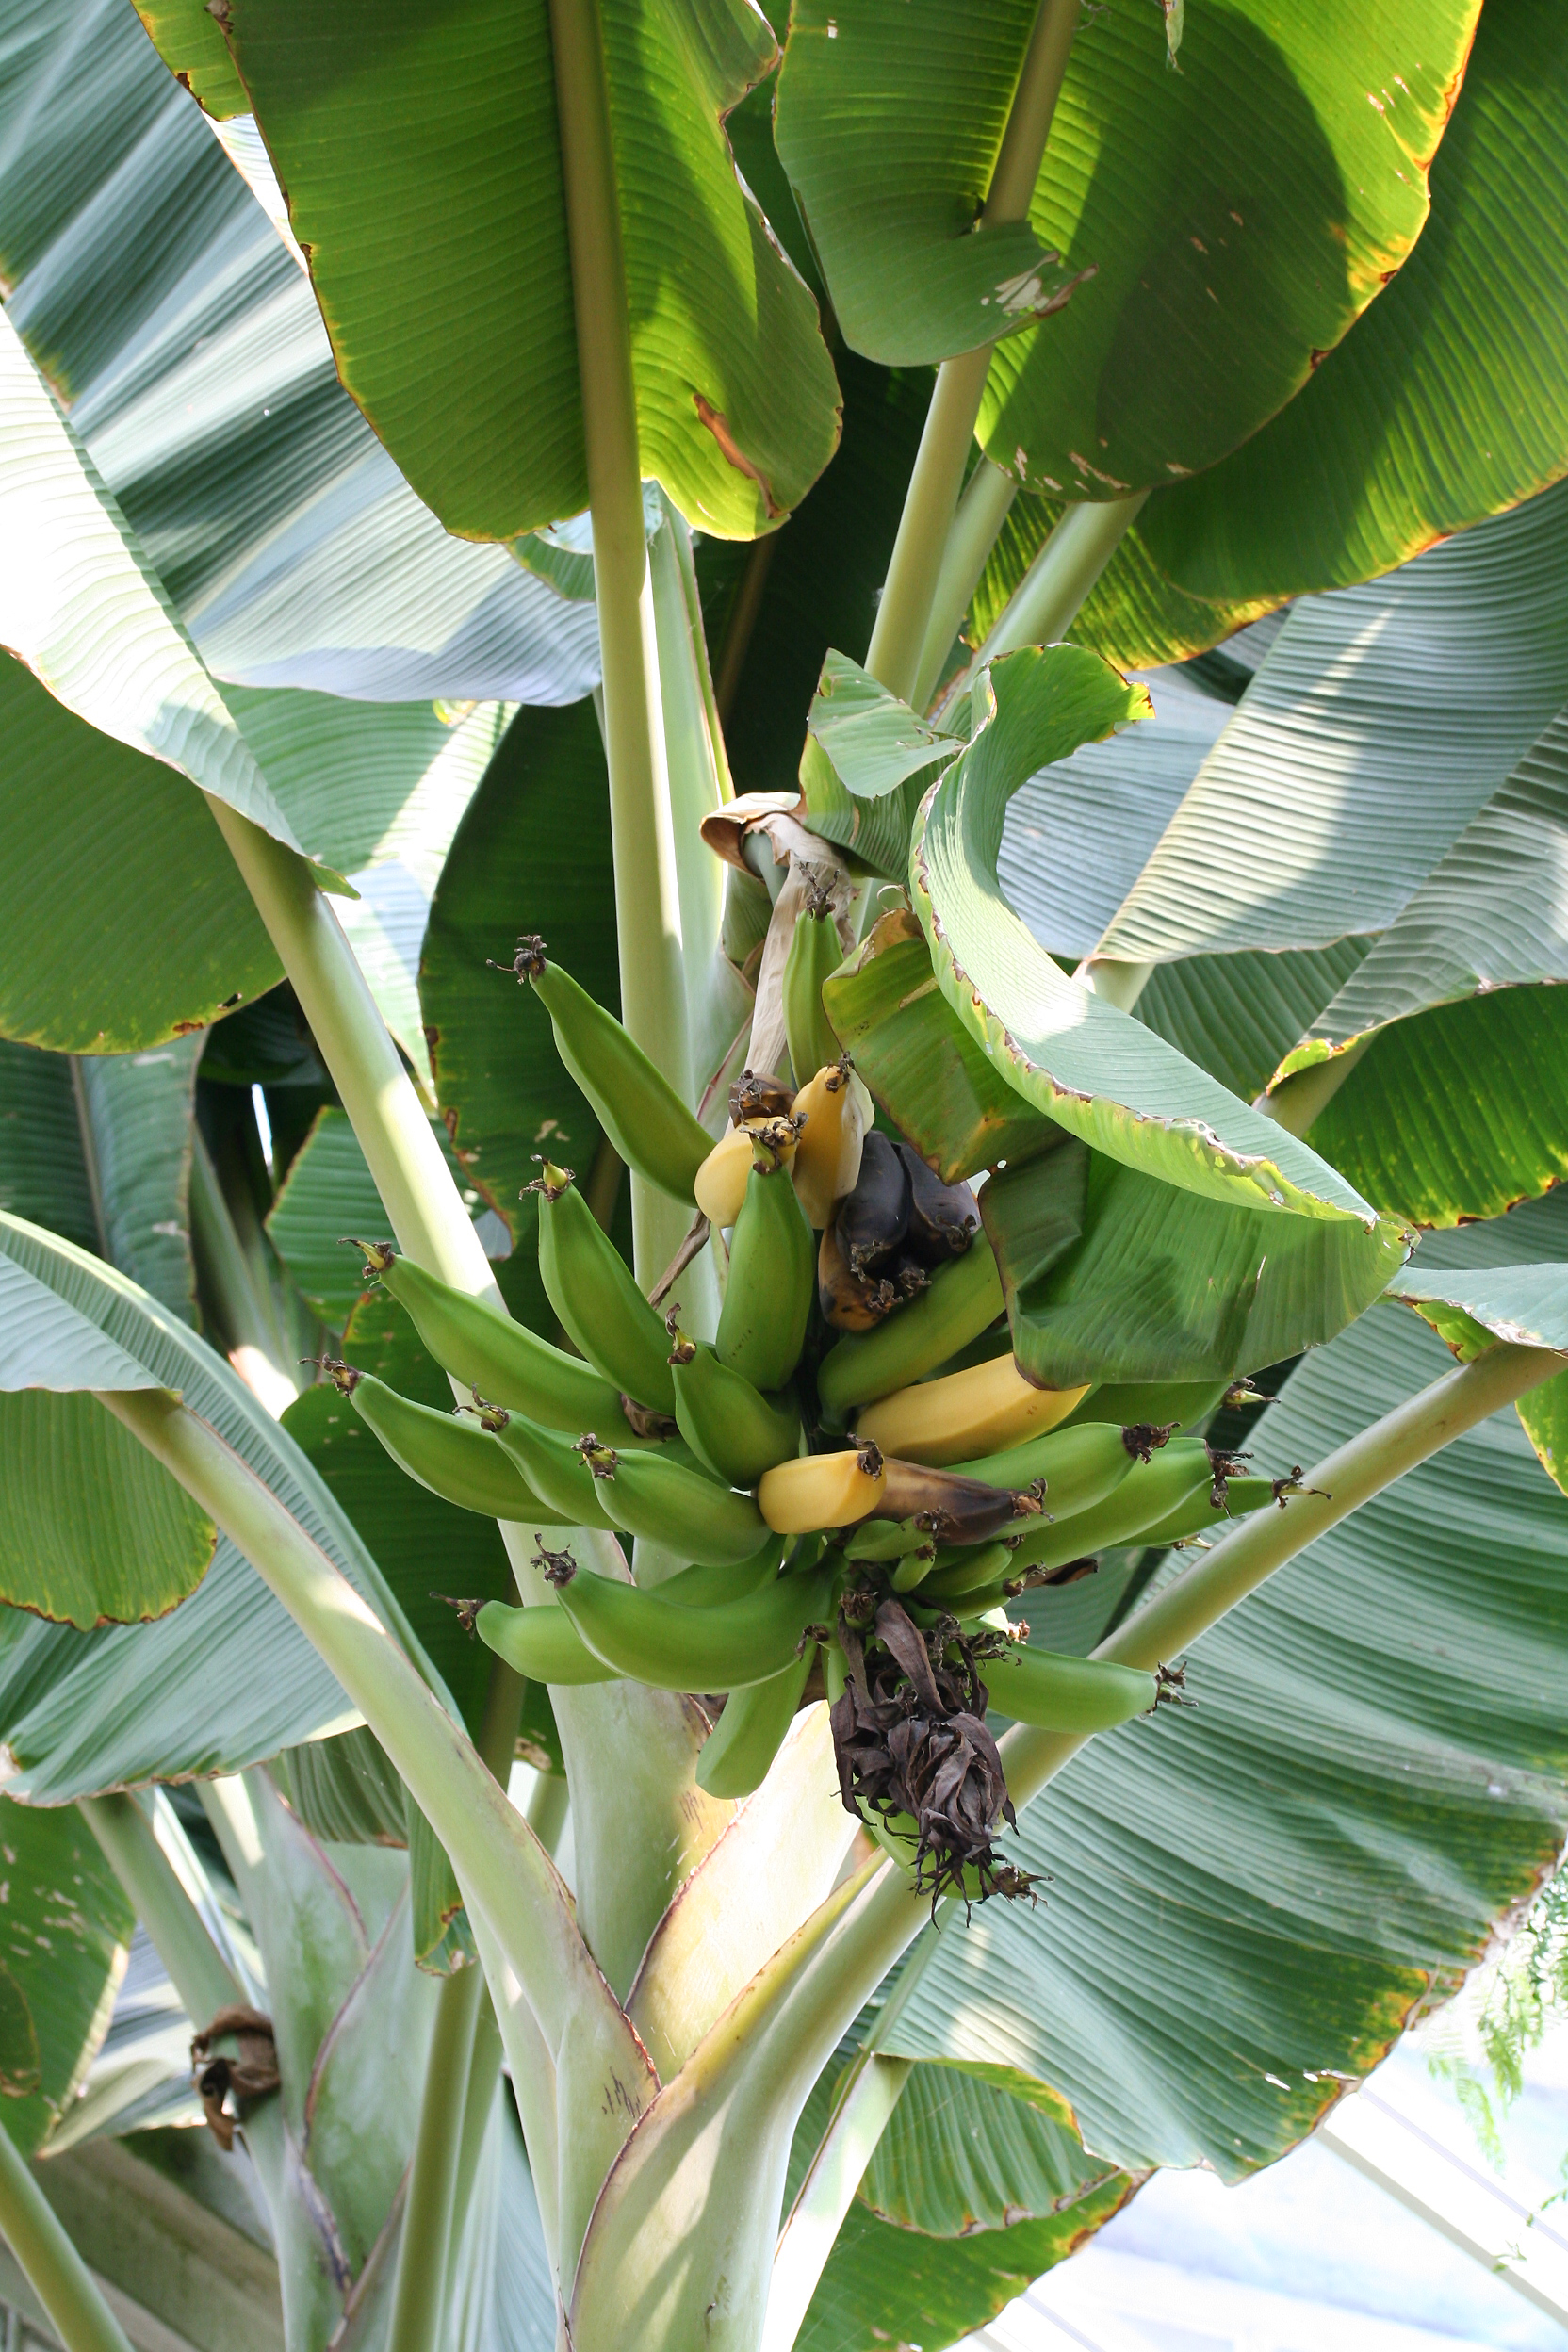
(859, 1290)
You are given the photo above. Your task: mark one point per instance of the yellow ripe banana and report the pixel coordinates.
(721, 1179)
(821, 1490)
(967, 1414)
(837, 1111)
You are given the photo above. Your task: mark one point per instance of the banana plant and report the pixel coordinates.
(623, 809)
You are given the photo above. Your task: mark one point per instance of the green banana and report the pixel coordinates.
(728, 1425)
(886, 1538)
(772, 1276)
(560, 1471)
(736, 1756)
(1081, 1465)
(1200, 1513)
(504, 1360)
(814, 955)
(722, 1648)
(1184, 1402)
(963, 1298)
(638, 1108)
(593, 1290)
(707, 1585)
(540, 1642)
(976, 1568)
(458, 1459)
(1148, 1493)
(911, 1570)
(1058, 1693)
(650, 1494)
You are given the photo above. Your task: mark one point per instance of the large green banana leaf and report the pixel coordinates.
(1249, 1898)
(1411, 426)
(1380, 722)
(152, 288)
(1236, 216)
(227, 1678)
(1448, 399)
(64, 1929)
(98, 1148)
(449, 128)
(971, 2194)
(1076, 1056)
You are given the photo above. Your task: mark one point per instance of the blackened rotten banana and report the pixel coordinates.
(873, 1220)
(943, 1218)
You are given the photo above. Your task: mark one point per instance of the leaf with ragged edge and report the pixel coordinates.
(1380, 722)
(450, 129)
(345, 1790)
(961, 2155)
(96, 840)
(1375, 1775)
(186, 35)
(92, 1530)
(1237, 1015)
(1448, 398)
(1111, 1275)
(65, 1927)
(150, 285)
(886, 2284)
(533, 854)
(936, 1082)
(875, 742)
(1512, 1263)
(1089, 1066)
(227, 1678)
(96, 627)
(1238, 216)
(1459, 1113)
(893, 217)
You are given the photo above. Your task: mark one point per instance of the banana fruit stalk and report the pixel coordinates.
(590, 1287)
(504, 1360)
(978, 1411)
(541, 1644)
(964, 1298)
(748, 1735)
(767, 1299)
(461, 1461)
(638, 1108)
(722, 1648)
(732, 1428)
(1056, 1693)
